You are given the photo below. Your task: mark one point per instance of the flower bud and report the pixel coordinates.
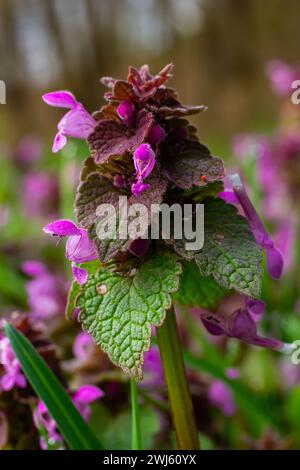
(126, 111)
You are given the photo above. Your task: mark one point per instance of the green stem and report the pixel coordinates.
(135, 417)
(178, 390)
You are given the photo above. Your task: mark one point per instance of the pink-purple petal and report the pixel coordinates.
(81, 275)
(80, 249)
(62, 228)
(139, 187)
(60, 99)
(127, 112)
(77, 123)
(274, 261)
(88, 394)
(59, 142)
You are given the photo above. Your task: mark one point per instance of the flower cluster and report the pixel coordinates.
(140, 145)
(13, 380)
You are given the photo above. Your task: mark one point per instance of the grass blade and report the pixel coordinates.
(70, 423)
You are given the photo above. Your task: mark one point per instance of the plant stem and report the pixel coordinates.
(135, 417)
(178, 390)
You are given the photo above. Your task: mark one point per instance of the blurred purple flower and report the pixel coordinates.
(40, 194)
(274, 161)
(12, 376)
(154, 375)
(220, 394)
(79, 248)
(244, 145)
(4, 215)
(29, 150)
(263, 239)
(82, 399)
(290, 372)
(43, 420)
(285, 239)
(75, 123)
(281, 76)
(270, 178)
(144, 161)
(240, 325)
(83, 345)
(46, 292)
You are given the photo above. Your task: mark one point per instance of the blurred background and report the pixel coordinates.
(221, 50)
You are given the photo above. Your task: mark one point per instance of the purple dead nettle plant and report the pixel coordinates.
(142, 146)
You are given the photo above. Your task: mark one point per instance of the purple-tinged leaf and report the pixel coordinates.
(111, 138)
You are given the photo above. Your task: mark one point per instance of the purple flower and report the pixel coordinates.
(127, 112)
(83, 345)
(285, 240)
(244, 145)
(4, 215)
(144, 161)
(46, 293)
(40, 194)
(274, 161)
(220, 395)
(81, 399)
(256, 308)
(79, 248)
(42, 419)
(12, 376)
(75, 123)
(240, 325)
(290, 372)
(29, 150)
(156, 135)
(263, 239)
(281, 77)
(154, 376)
(270, 177)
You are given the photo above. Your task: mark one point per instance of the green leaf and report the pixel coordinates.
(69, 421)
(73, 292)
(119, 311)
(186, 163)
(196, 290)
(92, 267)
(230, 253)
(96, 190)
